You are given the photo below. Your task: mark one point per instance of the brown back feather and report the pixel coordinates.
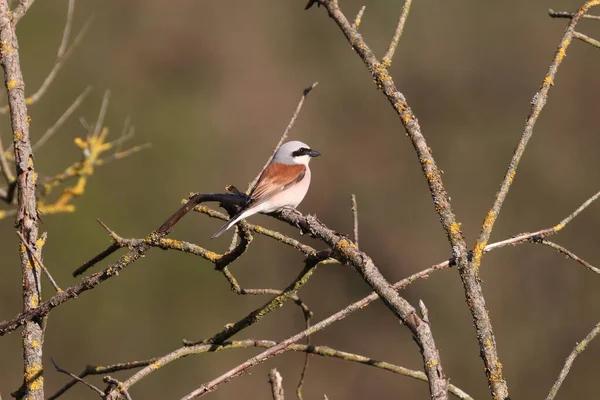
(275, 179)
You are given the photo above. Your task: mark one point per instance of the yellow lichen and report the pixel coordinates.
(455, 228)
(18, 135)
(40, 243)
(37, 384)
(11, 84)
(477, 253)
(558, 227)
(212, 256)
(561, 54)
(35, 343)
(34, 301)
(156, 365)
(548, 81)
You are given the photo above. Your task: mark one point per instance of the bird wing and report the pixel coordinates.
(275, 179)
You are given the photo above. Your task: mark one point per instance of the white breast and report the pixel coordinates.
(290, 197)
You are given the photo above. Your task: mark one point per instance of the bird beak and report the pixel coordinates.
(314, 153)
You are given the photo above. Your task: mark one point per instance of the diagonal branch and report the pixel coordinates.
(286, 132)
(579, 348)
(387, 59)
(20, 10)
(537, 105)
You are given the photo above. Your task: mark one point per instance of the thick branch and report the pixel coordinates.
(27, 215)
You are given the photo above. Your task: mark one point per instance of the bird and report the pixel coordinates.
(282, 184)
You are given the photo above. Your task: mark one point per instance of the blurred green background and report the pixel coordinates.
(213, 84)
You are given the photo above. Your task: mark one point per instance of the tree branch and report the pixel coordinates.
(276, 382)
(27, 222)
(154, 364)
(577, 350)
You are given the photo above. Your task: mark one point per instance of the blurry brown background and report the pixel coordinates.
(213, 84)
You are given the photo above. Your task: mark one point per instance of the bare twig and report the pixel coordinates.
(6, 169)
(564, 251)
(276, 382)
(34, 254)
(67, 31)
(355, 218)
(578, 349)
(150, 366)
(285, 134)
(564, 14)
(119, 387)
(358, 19)
(59, 63)
(78, 379)
(387, 59)
(27, 221)
(102, 113)
(63, 118)
(101, 370)
(20, 10)
(537, 105)
(586, 39)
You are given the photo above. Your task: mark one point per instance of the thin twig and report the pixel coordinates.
(564, 14)
(307, 317)
(586, 39)
(102, 113)
(578, 349)
(67, 31)
(35, 256)
(387, 59)
(566, 252)
(285, 134)
(155, 364)
(112, 382)
(60, 61)
(358, 19)
(20, 10)
(276, 382)
(63, 118)
(101, 370)
(355, 218)
(78, 379)
(6, 169)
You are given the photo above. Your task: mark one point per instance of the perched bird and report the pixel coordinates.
(283, 183)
